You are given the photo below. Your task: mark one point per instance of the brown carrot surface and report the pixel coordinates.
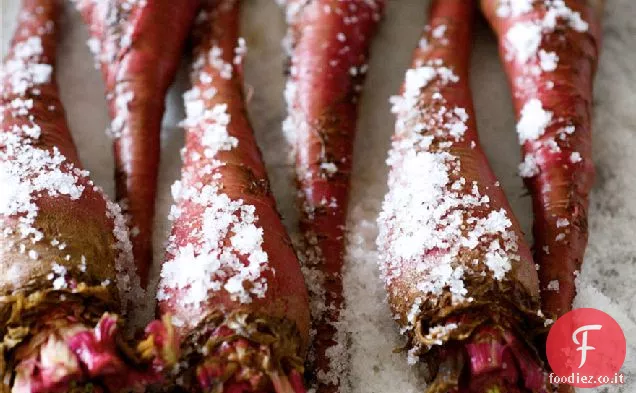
(231, 283)
(461, 280)
(550, 51)
(66, 266)
(138, 45)
(329, 50)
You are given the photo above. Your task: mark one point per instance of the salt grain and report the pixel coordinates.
(529, 167)
(553, 285)
(575, 157)
(533, 122)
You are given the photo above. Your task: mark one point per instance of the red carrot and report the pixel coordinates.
(460, 278)
(67, 267)
(137, 44)
(551, 53)
(231, 283)
(330, 42)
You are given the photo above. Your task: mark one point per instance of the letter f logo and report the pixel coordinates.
(583, 344)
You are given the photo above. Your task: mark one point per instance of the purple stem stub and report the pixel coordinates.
(500, 362)
(68, 354)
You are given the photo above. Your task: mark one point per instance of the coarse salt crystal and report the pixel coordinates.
(529, 167)
(533, 122)
(439, 31)
(562, 223)
(329, 167)
(513, 8)
(548, 60)
(524, 39)
(553, 285)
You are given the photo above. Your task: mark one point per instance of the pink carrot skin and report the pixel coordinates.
(552, 91)
(330, 47)
(138, 45)
(231, 283)
(66, 265)
(461, 280)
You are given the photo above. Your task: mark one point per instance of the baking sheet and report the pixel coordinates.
(608, 279)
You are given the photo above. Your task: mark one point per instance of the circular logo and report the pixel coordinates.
(586, 348)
